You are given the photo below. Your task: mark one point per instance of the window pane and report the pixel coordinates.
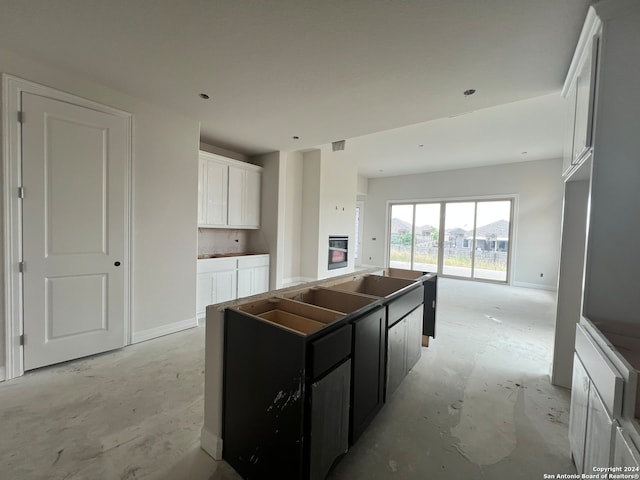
(425, 247)
(492, 240)
(458, 238)
(401, 236)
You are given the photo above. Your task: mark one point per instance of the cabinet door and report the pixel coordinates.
(578, 412)
(252, 199)
(244, 197)
(329, 420)
(224, 286)
(252, 281)
(261, 280)
(204, 295)
(585, 88)
(245, 282)
(599, 436)
(367, 379)
(236, 194)
(414, 338)
(216, 193)
(396, 356)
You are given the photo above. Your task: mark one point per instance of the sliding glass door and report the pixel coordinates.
(465, 239)
(459, 220)
(427, 236)
(492, 236)
(401, 238)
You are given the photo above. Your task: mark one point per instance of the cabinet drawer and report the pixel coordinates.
(330, 350)
(403, 305)
(216, 264)
(252, 261)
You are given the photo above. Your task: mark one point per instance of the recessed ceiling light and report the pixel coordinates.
(295, 137)
(204, 96)
(471, 91)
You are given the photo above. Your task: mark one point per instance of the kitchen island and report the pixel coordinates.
(293, 377)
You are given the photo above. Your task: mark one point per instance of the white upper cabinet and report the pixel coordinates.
(584, 92)
(244, 202)
(228, 193)
(216, 174)
(579, 91)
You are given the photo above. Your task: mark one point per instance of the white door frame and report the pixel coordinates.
(360, 205)
(12, 88)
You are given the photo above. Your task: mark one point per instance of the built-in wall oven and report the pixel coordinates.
(338, 251)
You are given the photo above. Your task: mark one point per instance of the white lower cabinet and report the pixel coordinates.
(599, 435)
(224, 279)
(578, 412)
(596, 403)
(252, 281)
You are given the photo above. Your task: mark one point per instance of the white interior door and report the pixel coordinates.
(74, 163)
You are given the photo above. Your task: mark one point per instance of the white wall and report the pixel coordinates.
(338, 192)
(222, 240)
(328, 208)
(310, 214)
(268, 238)
(165, 172)
(363, 185)
(538, 185)
(293, 179)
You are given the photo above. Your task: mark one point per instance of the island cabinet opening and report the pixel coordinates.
(375, 285)
(302, 319)
(335, 300)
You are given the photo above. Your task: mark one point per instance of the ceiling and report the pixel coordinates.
(328, 70)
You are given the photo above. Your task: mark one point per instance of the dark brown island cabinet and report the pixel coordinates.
(306, 371)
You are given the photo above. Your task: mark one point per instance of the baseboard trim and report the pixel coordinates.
(3, 377)
(536, 286)
(156, 332)
(210, 443)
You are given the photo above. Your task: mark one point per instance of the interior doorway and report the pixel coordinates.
(69, 227)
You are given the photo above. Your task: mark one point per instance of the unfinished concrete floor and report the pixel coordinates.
(477, 405)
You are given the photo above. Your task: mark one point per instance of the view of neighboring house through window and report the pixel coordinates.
(475, 239)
